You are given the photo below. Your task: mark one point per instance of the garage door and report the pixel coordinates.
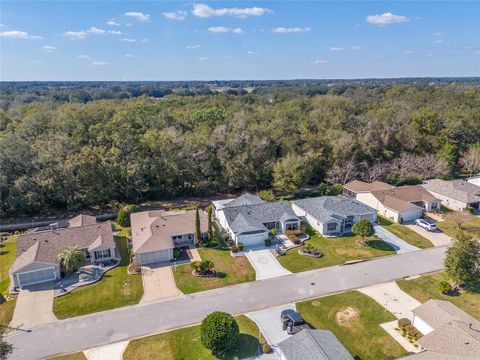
(255, 239)
(35, 277)
(411, 215)
(153, 257)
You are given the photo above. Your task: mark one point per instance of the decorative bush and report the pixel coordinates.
(234, 249)
(403, 322)
(444, 287)
(268, 242)
(240, 246)
(123, 216)
(219, 332)
(266, 348)
(294, 239)
(177, 253)
(294, 232)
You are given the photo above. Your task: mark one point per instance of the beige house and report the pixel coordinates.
(355, 187)
(405, 203)
(37, 252)
(155, 234)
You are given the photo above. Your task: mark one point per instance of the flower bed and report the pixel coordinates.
(206, 274)
(309, 250)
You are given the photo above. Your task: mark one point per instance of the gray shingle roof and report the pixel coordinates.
(245, 199)
(314, 345)
(250, 218)
(460, 190)
(325, 208)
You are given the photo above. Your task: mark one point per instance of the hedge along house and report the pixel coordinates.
(155, 234)
(333, 215)
(251, 224)
(37, 252)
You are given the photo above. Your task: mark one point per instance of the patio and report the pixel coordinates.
(86, 275)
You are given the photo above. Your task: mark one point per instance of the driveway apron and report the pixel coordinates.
(437, 238)
(399, 245)
(265, 264)
(158, 283)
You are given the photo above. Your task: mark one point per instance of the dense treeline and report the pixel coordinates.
(73, 155)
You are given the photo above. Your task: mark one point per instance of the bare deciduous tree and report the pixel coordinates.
(425, 167)
(470, 160)
(342, 173)
(375, 172)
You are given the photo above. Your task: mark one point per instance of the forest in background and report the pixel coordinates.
(62, 150)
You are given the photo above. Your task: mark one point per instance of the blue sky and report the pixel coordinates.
(157, 40)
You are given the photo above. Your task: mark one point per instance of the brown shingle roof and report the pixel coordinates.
(362, 186)
(44, 246)
(153, 230)
(81, 220)
(402, 198)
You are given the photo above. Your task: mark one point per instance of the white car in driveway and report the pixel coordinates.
(427, 225)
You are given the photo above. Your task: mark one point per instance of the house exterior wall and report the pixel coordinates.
(474, 180)
(449, 202)
(113, 254)
(407, 215)
(220, 215)
(421, 325)
(325, 231)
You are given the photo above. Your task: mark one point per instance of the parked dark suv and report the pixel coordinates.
(292, 321)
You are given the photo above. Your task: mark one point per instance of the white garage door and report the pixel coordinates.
(411, 215)
(153, 257)
(254, 239)
(35, 277)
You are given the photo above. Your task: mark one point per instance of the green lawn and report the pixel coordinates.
(355, 320)
(7, 255)
(6, 311)
(471, 223)
(230, 271)
(76, 356)
(426, 287)
(116, 289)
(405, 233)
(185, 344)
(335, 250)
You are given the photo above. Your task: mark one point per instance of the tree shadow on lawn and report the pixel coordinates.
(380, 245)
(245, 343)
(4, 252)
(220, 275)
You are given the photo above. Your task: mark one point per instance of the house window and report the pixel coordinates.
(331, 226)
(190, 236)
(87, 253)
(102, 254)
(292, 226)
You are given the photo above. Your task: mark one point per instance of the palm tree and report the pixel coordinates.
(71, 258)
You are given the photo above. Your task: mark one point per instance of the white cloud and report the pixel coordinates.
(252, 52)
(96, 31)
(409, 52)
(100, 63)
(437, 42)
(205, 11)
(334, 48)
(114, 32)
(75, 35)
(203, 58)
(439, 34)
(112, 23)
(175, 15)
(386, 19)
(316, 62)
(128, 40)
(129, 56)
(284, 30)
(86, 57)
(144, 40)
(138, 15)
(16, 34)
(222, 29)
(195, 46)
(49, 48)
(356, 47)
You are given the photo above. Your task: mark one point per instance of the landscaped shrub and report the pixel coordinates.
(234, 249)
(444, 286)
(219, 332)
(294, 239)
(266, 348)
(403, 322)
(268, 242)
(267, 195)
(294, 232)
(123, 216)
(240, 246)
(412, 332)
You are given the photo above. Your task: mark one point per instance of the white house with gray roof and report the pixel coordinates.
(220, 205)
(455, 194)
(251, 224)
(333, 215)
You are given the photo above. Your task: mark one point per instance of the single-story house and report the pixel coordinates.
(455, 194)
(156, 233)
(82, 220)
(405, 203)
(313, 345)
(251, 224)
(333, 215)
(449, 332)
(475, 180)
(355, 187)
(220, 205)
(36, 259)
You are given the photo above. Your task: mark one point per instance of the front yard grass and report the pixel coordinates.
(7, 256)
(426, 287)
(335, 250)
(405, 233)
(470, 223)
(75, 356)
(230, 271)
(116, 289)
(355, 320)
(185, 344)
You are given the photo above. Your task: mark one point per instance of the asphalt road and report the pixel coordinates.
(134, 321)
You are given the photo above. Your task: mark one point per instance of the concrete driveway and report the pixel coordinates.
(158, 283)
(392, 298)
(34, 307)
(437, 238)
(268, 321)
(107, 352)
(265, 264)
(398, 244)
